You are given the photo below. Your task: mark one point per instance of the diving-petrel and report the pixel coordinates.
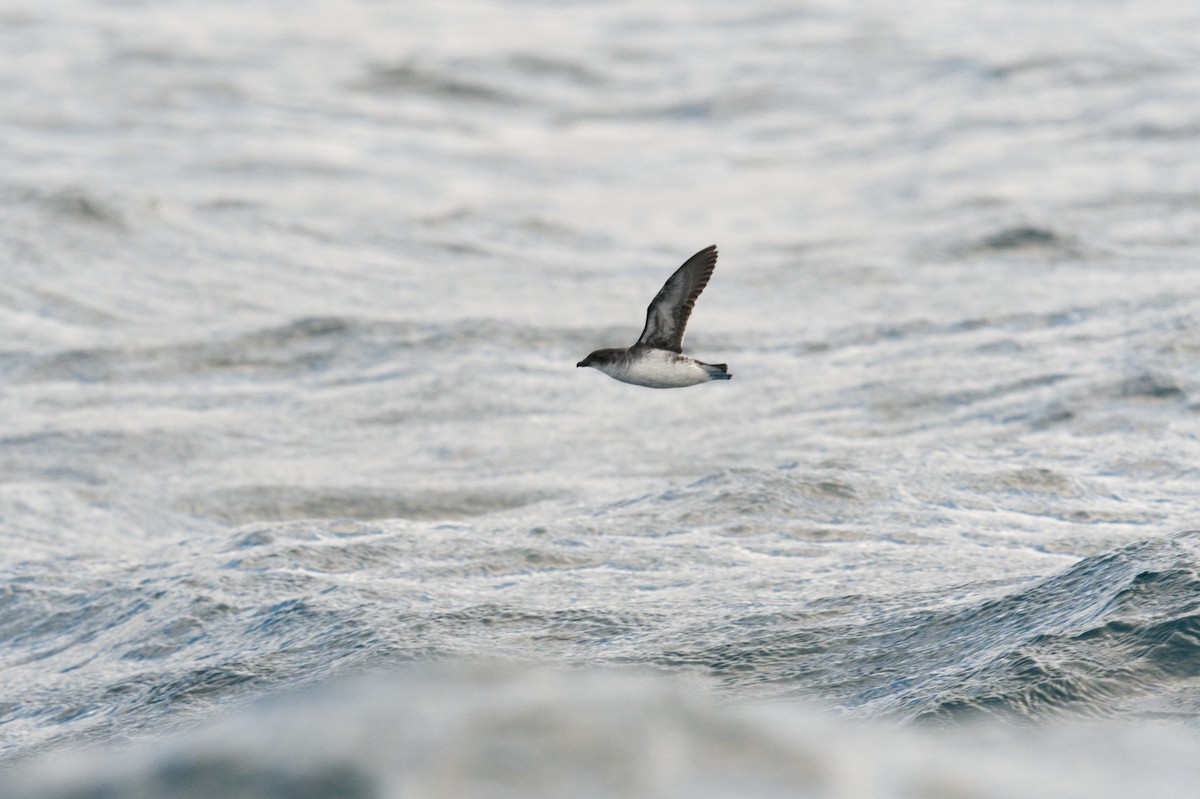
(657, 359)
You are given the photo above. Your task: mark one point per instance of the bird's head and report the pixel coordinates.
(597, 359)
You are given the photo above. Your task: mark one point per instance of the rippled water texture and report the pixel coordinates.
(292, 297)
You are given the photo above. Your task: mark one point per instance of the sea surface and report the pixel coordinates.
(302, 495)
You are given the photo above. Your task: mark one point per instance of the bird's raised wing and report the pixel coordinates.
(668, 313)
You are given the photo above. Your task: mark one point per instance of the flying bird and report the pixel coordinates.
(657, 359)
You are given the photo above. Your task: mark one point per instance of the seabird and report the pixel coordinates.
(657, 359)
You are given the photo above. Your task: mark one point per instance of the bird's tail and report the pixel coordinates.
(717, 371)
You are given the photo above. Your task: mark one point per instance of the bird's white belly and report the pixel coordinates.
(660, 370)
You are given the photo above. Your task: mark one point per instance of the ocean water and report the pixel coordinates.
(301, 493)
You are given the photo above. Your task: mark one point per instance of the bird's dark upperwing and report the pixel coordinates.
(668, 313)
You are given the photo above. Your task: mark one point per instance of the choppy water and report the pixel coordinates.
(292, 299)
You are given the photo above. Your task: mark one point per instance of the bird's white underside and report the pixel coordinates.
(658, 369)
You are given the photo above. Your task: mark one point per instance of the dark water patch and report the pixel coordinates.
(918, 329)
(90, 458)
(231, 205)
(1082, 71)
(1024, 384)
(176, 635)
(320, 348)
(1021, 237)
(281, 167)
(593, 631)
(545, 228)
(993, 400)
(201, 683)
(1150, 385)
(474, 334)
(511, 561)
(305, 345)
(1023, 240)
(270, 503)
(672, 110)
(1185, 131)
(1044, 416)
(754, 499)
(860, 335)
(79, 207)
(48, 301)
(445, 83)
(1039, 480)
(538, 65)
